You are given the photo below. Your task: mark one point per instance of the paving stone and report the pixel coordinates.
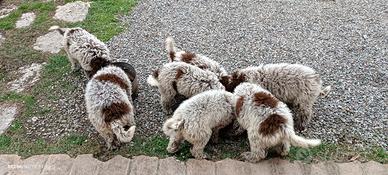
(119, 165)
(331, 168)
(263, 167)
(58, 164)
(281, 166)
(318, 169)
(7, 10)
(50, 42)
(25, 20)
(200, 167)
(85, 165)
(6, 160)
(352, 168)
(7, 115)
(29, 75)
(232, 167)
(374, 168)
(171, 166)
(72, 12)
(31, 166)
(143, 165)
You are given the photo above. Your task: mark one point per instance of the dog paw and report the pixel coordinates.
(250, 157)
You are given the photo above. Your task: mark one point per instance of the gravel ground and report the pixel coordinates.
(344, 40)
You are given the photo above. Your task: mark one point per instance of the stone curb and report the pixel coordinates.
(61, 164)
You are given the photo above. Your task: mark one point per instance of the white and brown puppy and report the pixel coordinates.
(179, 78)
(296, 85)
(197, 118)
(198, 60)
(109, 109)
(268, 122)
(82, 47)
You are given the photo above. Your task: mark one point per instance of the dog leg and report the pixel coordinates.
(303, 114)
(167, 104)
(199, 146)
(257, 152)
(283, 148)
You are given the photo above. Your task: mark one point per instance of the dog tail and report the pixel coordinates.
(170, 47)
(325, 91)
(299, 141)
(123, 133)
(57, 28)
(153, 79)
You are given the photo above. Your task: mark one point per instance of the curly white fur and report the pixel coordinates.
(82, 47)
(183, 79)
(109, 109)
(294, 84)
(268, 122)
(197, 118)
(198, 60)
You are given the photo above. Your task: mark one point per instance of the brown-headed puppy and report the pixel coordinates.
(179, 78)
(198, 60)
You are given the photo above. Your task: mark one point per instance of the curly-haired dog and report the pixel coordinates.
(296, 85)
(268, 122)
(109, 109)
(198, 60)
(82, 47)
(178, 78)
(197, 118)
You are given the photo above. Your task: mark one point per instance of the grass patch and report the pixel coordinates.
(41, 8)
(103, 20)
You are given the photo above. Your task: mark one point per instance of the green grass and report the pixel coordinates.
(41, 8)
(103, 19)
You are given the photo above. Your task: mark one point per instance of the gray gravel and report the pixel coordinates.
(344, 40)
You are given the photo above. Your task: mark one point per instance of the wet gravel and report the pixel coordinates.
(344, 40)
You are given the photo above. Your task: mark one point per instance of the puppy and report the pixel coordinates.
(82, 47)
(178, 78)
(296, 85)
(198, 60)
(109, 109)
(268, 122)
(197, 118)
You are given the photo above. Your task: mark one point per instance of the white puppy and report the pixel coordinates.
(197, 118)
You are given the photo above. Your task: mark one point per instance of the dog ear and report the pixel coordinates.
(179, 125)
(262, 98)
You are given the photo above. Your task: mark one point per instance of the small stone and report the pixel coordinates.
(7, 10)
(51, 42)
(26, 20)
(7, 115)
(28, 77)
(34, 119)
(72, 12)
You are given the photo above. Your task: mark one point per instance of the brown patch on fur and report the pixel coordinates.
(239, 104)
(225, 81)
(179, 73)
(233, 81)
(113, 79)
(96, 64)
(203, 66)
(115, 111)
(174, 86)
(271, 124)
(265, 99)
(172, 56)
(155, 74)
(188, 57)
